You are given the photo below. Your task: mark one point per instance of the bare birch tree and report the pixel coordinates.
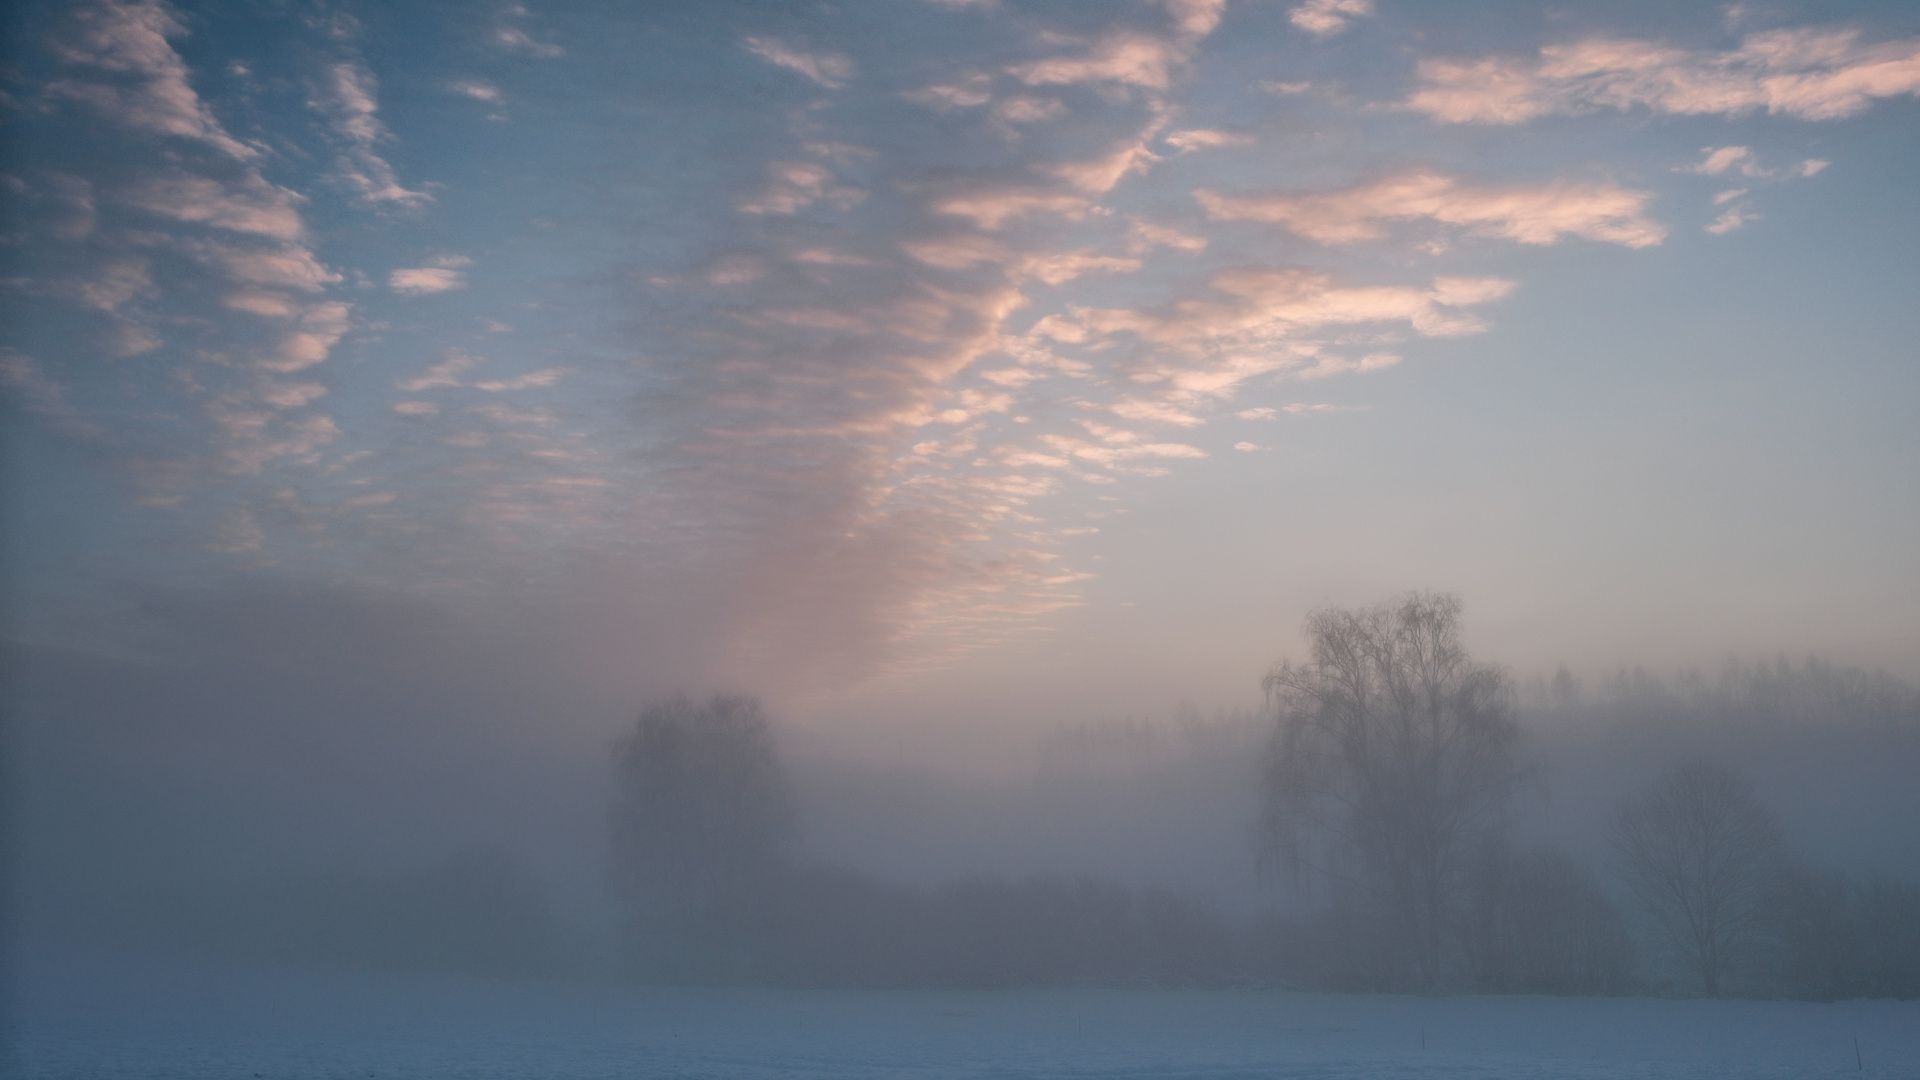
(1702, 856)
(1393, 764)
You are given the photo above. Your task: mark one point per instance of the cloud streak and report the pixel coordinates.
(1324, 18)
(831, 70)
(1810, 73)
(248, 204)
(426, 280)
(1541, 214)
(350, 100)
(137, 79)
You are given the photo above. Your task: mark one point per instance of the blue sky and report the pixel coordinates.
(913, 359)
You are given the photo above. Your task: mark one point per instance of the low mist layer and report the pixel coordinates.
(388, 822)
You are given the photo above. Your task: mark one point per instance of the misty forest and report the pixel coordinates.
(932, 539)
(1393, 772)
(1405, 818)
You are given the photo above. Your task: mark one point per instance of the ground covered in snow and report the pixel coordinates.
(99, 1018)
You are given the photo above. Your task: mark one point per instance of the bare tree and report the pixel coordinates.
(1702, 856)
(1393, 763)
(696, 831)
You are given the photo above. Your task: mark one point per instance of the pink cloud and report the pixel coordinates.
(1539, 214)
(796, 185)
(426, 280)
(1810, 73)
(1130, 59)
(247, 205)
(992, 208)
(355, 113)
(145, 85)
(830, 70)
(1323, 18)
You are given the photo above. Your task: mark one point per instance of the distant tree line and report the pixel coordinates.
(1392, 783)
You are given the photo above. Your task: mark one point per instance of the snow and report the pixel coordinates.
(99, 1018)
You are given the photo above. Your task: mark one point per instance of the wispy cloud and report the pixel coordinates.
(1067, 265)
(1539, 214)
(1742, 161)
(1102, 174)
(118, 282)
(1187, 141)
(517, 39)
(1323, 18)
(477, 89)
(1261, 307)
(831, 70)
(991, 208)
(1811, 73)
(1144, 236)
(318, 328)
(443, 374)
(1195, 19)
(976, 89)
(1299, 407)
(350, 100)
(248, 204)
(22, 375)
(286, 267)
(1718, 160)
(533, 380)
(426, 280)
(510, 33)
(1128, 59)
(137, 78)
(795, 185)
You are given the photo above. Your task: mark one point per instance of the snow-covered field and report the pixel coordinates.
(102, 1019)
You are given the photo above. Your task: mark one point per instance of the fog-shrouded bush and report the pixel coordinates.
(478, 912)
(1835, 937)
(1540, 923)
(1066, 932)
(1347, 945)
(835, 927)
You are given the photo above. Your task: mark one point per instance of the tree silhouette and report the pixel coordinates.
(1702, 856)
(702, 812)
(1392, 764)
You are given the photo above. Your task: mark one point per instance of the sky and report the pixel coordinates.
(939, 367)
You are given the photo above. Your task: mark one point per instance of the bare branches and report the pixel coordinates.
(1702, 857)
(1393, 758)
